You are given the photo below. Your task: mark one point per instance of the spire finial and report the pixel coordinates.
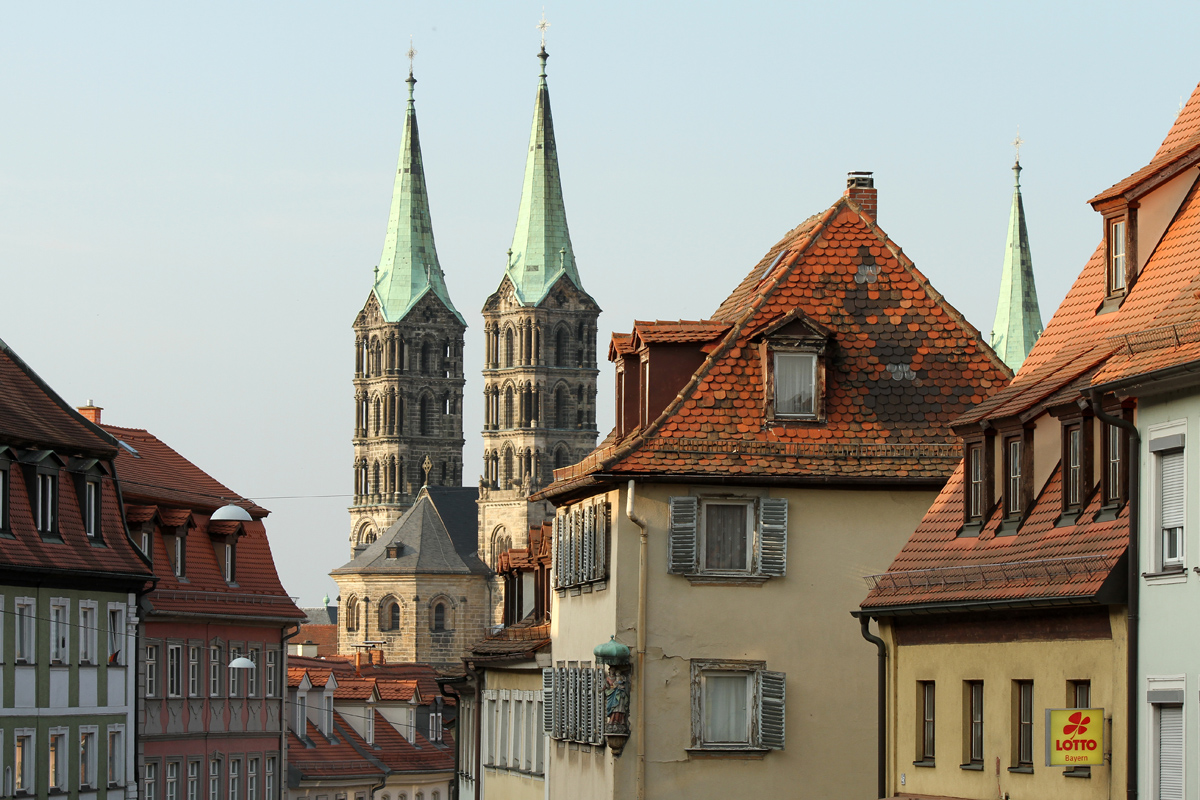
(1017, 142)
(427, 465)
(412, 54)
(543, 55)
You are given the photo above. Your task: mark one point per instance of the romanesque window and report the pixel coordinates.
(439, 617)
(378, 416)
(560, 407)
(508, 407)
(426, 359)
(508, 468)
(508, 347)
(501, 543)
(375, 481)
(562, 457)
(561, 345)
(424, 420)
(352, 614)
(399, 414)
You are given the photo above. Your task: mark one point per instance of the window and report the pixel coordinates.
(151, 670)
(1074, 464)
(1024, 727)
(1114, 477)
(352, 614)
(214, 779)
(26, 630)
(116, 635)
(1013, 469)
(193, 780)
(435, 727)
(327, 717)
(60, 632)
(272, 673)
(172, 780)
(795, 385)
(369, 725)
(1168, 747)
(146, 545)
(301, 714)
(1171, 504)
(91, 508)
(737, 705)
(394, 617)
(229, 565)
(46, 505)
(235, 779)
(193, 671)
(1079, 695)
(927, 733)
(87, 758)
(1116, 257)
(975, 484)
(269, 778)
(180, 553)
(58, 758)
(87, 632)
(728, 537)
(252, 780)
(175, 670)
(255, 675)
(23, 761)
(116, 756)
(237, 677)
(974, 728)
(3, 499)
(214, 671)
(439, 617)
(581, 544)
(150, 781)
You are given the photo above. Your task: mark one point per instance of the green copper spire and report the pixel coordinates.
(1018, 319)
(541, 247)
(409, 265)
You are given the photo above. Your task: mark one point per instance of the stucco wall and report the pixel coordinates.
(504, 784)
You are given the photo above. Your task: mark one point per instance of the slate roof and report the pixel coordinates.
(438, 535)
(321, 615)
(902, 365)
(162, 486)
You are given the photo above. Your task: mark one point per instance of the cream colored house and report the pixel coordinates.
(762, 460)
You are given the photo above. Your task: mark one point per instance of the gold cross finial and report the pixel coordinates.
(542, 26)
(412, 53)
(427, 464)
(1017, 142)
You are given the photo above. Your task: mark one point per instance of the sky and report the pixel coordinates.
(193, 196)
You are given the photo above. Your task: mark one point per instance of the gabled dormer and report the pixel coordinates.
(41, 470)
(793, 349)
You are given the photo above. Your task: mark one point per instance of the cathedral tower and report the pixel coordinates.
(408, 362)
(540, 354)
(1018, 319)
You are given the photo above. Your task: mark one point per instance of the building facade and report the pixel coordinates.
(539, 357)
(408, 362)
(70, 579)
(707, 543)
(202, 724)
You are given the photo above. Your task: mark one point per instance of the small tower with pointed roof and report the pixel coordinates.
(540, 353)
(408, 357)
(1018, 318)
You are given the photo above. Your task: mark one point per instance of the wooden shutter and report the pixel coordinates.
(772, 692)
(599, 701)
(1170, 752)
(548, 701)
(560, 703)
(589, 543)
(556, 539)
(772, 536)
(1172, 493)
(681, 558)
(587, 711)
(602, 542)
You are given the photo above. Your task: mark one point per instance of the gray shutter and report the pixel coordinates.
(773, 689)
(572, 701)
(600, 705)
(557, 541)
(681, 558)
(548, 701)
(589, 543)
(602, 542)
(1170, 752)
(772, 535)
(560, 703)
(589, 711)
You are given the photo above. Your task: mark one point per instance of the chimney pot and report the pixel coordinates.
(860, 187)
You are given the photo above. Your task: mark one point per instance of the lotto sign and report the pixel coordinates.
(1074, 737)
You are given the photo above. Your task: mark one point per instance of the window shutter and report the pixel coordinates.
(589, 543)
(600, 705)
(560, 703)
(572, 547)
(1170, 752)
(772, 536)
(572, 702)
(773, 688)
(548, 701)
(1172, 489)
(602, 542)
(681, 558)
(588, 710)
(557, 541)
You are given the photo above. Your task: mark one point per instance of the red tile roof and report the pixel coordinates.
(676, 332)
(343, 666)
(902, 365)
(1186, 125)
(323, 636)
(341, 758)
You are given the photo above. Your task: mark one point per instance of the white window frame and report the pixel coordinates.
(116, 755)
(269, 778)
(25, 742)
(26, 630)
(214, 670)
(150, 780)
(229, 563)
(1116, 256)
(88, 615)
(179, 555)
(1156, 684)
(975, 478)
(701, 669)
(235, 779)
(46, 506)
(151, 662)
(91, 507)
(172, 781)
(252, 778)
(58, 760)
(750, 505)
(214, 779)
(327, 714)
(783, 354)
(301, 714)
(1162, 561)
(237, 681)
(60, 630)
(272, 673)
(88, 742)
(193, 780)
(1015, 447)
(118, 637)
(254, 676)
(195, 670)
(174, 670)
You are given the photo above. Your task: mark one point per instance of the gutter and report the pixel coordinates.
(1134, 580)
(865, 627)
(643, 547)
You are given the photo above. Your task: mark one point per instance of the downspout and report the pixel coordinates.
(281, 779)
(643, 547)
(477, 768)
(865, 626)
(458, 746)
(1134, 579)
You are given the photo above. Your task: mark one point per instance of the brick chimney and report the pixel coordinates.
(860, 187)
(91, 412)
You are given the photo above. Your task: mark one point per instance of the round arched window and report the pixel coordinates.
(439, 617)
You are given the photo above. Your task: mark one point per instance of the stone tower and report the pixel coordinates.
(539, 371)
(408, 362)
(1018, 319)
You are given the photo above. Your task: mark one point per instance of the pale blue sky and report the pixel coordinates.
(192, 198)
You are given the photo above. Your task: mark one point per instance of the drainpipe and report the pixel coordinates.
(643, 547)
(1134, 579)
(865, 626)
(477, 768)
(281, 778)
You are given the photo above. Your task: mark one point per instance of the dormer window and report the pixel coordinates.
(46, 503)
(230, 555)
(180, 553)
(1013, 450)
(795, 384)
(794, 366)
(1113, 478)
(1116, 257)
(976, 476)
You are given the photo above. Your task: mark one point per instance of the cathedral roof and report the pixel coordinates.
(409, 268)
(437, 535)
(541, 250)
(1018, 318)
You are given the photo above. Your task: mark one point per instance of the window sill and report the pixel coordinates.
(971, 530)
(1077, 772)
(1111, 303)
(929, 763)
(976, 766)
(1177, 575)
(1068, 519)
(1021, 770)
(718, 579)
(1009, 527)
(745, 753)
(1108, 512)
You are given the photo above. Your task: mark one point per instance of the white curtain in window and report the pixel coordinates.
(726, 716)
(794, 374)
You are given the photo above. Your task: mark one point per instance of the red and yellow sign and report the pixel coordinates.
(1074, 737)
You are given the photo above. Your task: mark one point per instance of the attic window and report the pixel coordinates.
(393, 551)
(793, 353)
(795, 384)
(1116, 257)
